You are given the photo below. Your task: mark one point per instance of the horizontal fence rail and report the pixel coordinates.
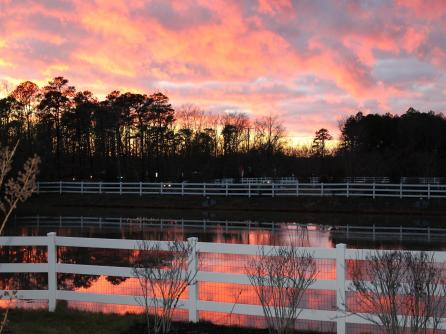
(140, 223)
(193, 304)
(296, 189)
(352, 179)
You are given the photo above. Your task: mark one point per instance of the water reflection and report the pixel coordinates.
(240, 232)
(254, 233)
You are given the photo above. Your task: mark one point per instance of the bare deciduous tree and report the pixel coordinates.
(269, 134)
(399, 291)
(280, 278)
(163, 278)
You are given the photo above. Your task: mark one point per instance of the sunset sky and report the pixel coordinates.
(311, 62)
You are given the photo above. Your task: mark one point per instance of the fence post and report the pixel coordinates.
(340, 290)
(193, 287)
(428, 191)
(52, 275)
(182, 188)
(140, 188)
(272, 189)
(82, 187)
(348, 189)
(226, 189)
(161, 188)
(249, 189)
(60, 187)
(401, 190)
(322, 189)
(100, 187)
(204, 189)
(120, 188)
(297, 188)
(373, 190)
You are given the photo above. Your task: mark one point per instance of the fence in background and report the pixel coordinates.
(193, 304)
(372, 232)
(371, 190)
(351, 179)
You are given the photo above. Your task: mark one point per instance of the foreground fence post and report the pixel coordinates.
(52, 275)
(340, 289)
(193, 287)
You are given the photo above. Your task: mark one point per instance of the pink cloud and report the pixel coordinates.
(245, 56)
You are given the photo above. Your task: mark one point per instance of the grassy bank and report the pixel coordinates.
(333, 210)
(68, 321)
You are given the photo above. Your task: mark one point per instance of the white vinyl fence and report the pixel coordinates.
(341, 254)
(373, 190)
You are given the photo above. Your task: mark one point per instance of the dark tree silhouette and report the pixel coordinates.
(136, 136)
(319, 142)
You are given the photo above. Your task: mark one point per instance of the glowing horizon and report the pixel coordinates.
(311, 62)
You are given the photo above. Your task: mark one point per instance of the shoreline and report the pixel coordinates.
(355, 211)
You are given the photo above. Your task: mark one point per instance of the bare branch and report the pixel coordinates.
(163, 278)
(280, 279)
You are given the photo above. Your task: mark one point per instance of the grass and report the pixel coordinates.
(67, 321)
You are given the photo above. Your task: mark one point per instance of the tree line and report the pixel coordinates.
(132, 136)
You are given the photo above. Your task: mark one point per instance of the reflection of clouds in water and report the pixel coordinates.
(254, 234)
(242, 232)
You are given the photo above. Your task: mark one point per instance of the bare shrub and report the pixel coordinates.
(399, 291)
(425, 286)
(17, 189)
(163, 277)
(280, 278)
(14, 191)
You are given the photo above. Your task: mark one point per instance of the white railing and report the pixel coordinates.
(193, 304)
(372, 190)
(140, 223)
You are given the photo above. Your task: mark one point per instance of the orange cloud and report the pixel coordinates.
(298, 59)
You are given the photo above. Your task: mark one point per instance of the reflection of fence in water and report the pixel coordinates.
(223, 287)
(300, 234)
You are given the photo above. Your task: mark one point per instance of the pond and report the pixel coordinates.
(240, 232)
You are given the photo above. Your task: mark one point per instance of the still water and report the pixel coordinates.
(255, 233)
